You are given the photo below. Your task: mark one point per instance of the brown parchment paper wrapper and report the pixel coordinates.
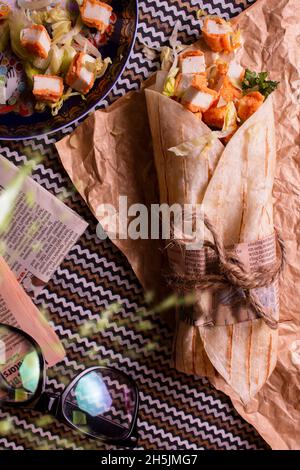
(108, 156)
(271, 42)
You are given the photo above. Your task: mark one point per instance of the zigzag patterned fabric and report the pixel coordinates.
(177, 411)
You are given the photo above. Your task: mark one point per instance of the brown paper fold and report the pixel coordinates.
(109, 155)
(271, 42)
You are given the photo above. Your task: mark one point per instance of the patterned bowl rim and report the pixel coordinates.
(91, 109)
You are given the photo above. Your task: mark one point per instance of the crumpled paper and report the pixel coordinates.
(103, 167)
(108, 156)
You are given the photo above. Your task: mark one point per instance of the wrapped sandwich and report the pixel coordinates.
(212, 125)
(217, 169)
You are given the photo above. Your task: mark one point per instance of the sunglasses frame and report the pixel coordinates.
(53, 403)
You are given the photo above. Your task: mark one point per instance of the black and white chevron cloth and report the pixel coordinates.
(177, 411)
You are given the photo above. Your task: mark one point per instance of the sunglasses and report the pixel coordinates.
(100, 402)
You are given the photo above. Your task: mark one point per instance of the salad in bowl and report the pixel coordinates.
(59, 59)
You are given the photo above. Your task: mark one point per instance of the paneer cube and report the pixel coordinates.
(199, 98)
(96, 14)
(214, 117)
(185, 80)
(249, 104)
(235, 71)
(48, 87)
(192, 62)
(80, 75)
(220, 35)
(36, 40)
(218, 26)
(227, 90)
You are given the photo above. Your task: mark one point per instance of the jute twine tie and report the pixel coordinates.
(233, 273)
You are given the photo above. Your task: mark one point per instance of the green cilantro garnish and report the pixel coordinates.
(258, 82)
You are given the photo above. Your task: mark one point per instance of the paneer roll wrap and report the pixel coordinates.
(214, 141)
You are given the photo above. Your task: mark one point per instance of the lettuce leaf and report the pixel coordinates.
(41, 106)
(68, 55)
(194, 147)
(98, 66)
(51, 16)
(230, 122)
(169, 85)
(66, 39)
(230, 117)
(60, 19)
(201, 145)
(60, 29)
(101, 66)
(170, 55)
(18, 21)
(56, 59)
(30, 71)
(41, 64)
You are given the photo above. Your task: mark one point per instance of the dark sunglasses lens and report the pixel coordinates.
(101, 403)
(19, 367)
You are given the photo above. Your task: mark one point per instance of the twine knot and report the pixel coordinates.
(233, 273)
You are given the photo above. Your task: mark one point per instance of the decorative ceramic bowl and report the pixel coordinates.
(18, 120)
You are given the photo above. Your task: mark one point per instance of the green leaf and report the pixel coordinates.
(258, 82)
